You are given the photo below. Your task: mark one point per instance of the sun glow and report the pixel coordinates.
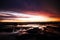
(34, 18)
(22, 17)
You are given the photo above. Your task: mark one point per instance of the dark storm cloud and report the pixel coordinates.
(21, 4)
(27, 4)
(50, 6)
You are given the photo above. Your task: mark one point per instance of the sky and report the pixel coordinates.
(48, 8)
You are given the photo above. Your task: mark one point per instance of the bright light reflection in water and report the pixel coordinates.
(31, 26)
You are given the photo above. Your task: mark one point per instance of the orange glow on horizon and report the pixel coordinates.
(33, 20)
(31, 17)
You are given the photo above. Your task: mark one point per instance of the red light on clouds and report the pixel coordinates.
(39, 13)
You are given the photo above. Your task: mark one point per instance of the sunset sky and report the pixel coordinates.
(29, 11)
